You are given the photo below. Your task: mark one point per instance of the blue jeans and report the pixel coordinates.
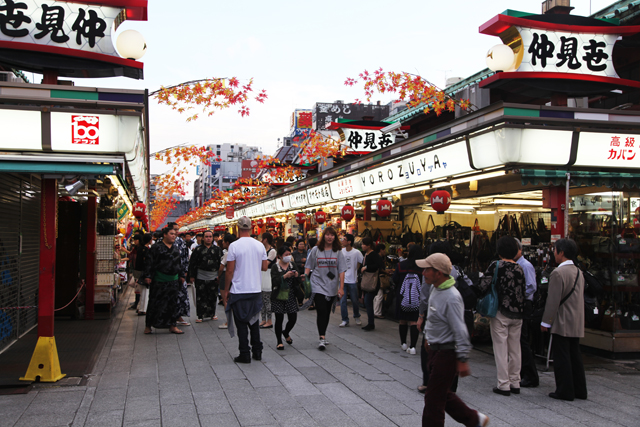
(352, 290)
(368, 303)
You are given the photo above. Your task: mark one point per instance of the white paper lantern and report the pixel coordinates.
(500, 58)
(131, 45)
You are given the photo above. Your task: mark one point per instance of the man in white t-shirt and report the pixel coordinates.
(353, 258)
(246, 258)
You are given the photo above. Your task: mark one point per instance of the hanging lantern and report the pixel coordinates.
(301, 218)
(321, 216)
(260, 222)
(440, 201)
(139, 210)
(219, 228)
(348, 212)
(271, 222)
(383, 208)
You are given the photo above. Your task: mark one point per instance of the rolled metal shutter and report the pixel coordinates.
(30, 253)
(19, 255)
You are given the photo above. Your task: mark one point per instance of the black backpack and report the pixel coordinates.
(469, 297)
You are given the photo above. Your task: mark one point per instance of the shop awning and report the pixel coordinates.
(54, 167)
(580, 178)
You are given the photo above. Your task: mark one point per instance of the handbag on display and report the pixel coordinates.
(377, 237)
(385, 281)
(392, 238)
(488, 305)
(631, 317)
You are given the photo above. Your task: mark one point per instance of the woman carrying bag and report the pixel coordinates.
(508, 285)
(325, 267)
(285, 280)
(267, 241)
(370, 281)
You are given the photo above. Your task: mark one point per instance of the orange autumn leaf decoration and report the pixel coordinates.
(414, 89)
(210, 95)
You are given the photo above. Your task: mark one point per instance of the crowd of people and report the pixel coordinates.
(257, 278)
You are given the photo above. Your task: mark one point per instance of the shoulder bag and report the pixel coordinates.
(369, 281)
(488, 305)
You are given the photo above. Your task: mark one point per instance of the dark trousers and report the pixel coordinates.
(368, 303)
(243, 329)
(424, 362)
(291, 322)
(206, 298)
(528, 370)
(323, 310)
(439, 398)
(567, 368)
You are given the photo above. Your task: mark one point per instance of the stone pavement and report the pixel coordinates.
(363, 379)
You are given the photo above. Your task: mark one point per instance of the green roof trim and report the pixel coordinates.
(55, 167)
(350, 121)
(580, 178)
(68, 94)
(378, 157)
(341, 170)
(516, 13)
(430, 138)
(521, 112)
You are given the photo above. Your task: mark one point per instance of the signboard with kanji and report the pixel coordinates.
(605, 149)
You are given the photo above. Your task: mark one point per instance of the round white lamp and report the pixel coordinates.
(500, 58)
(131, 45)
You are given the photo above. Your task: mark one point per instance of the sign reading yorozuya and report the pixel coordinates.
(433, 164)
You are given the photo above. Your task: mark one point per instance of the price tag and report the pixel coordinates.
(635, 318)
(622, 242)
(555, 237)
(544, 280)
(595, 310)
(526, 241)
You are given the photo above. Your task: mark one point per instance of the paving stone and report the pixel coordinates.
(179, 416)
(104, 418)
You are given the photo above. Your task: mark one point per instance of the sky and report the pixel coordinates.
(301, 53)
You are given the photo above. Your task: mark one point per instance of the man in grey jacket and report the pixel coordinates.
(564, 316)
(448, 344)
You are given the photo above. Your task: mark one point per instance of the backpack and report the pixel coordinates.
(410, 292)
(271, 262)
(468, 296)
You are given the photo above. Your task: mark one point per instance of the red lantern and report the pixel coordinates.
(260, 223)
(440, 201)
(271, 222)
(383, 208)
(219, 228)
(301, 218)
(139, 210)
(321, 216)
(348, 212)
(253, 224)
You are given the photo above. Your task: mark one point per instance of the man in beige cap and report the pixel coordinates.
(447, 341)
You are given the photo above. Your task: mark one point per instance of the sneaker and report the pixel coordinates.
(322, 345)
(411, 350)
(224, 326)
(358, 321)
(404, 346)
(344, 324)
(483, 420)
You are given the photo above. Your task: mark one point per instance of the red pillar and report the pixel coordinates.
(90, 280)
(554, 198)
(47, 278)
(367, 210)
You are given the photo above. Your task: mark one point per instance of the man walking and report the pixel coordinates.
(246, 258)
(564, 315)
(354, 262)
(528, 371)
(448, 345)
(184, 307)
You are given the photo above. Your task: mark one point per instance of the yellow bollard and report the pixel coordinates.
(44, 362)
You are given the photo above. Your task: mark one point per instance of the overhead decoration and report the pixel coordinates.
(260, 222)
(301, 218)
(219, 228)
(440, 201)
(348, 212)
(271, 222)
(383, 208)
(321, 216)
(139, 210)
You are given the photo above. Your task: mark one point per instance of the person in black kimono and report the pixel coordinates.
(203, 269)
(183, 294)
(164, 276)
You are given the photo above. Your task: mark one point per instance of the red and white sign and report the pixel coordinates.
(348, 212)
(85, 130)
(383, 208)
(608, 149)
(229, 211)
(321, 217)
(346, 187)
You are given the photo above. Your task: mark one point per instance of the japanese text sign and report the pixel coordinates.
(85, 130)
(60, 24)
(562, 52)
(319, 194)
(605, 149)
(298, 199)
(365, 140)
(346, 187)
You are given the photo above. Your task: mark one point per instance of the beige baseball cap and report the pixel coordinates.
(244, 223)
(440, 262)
